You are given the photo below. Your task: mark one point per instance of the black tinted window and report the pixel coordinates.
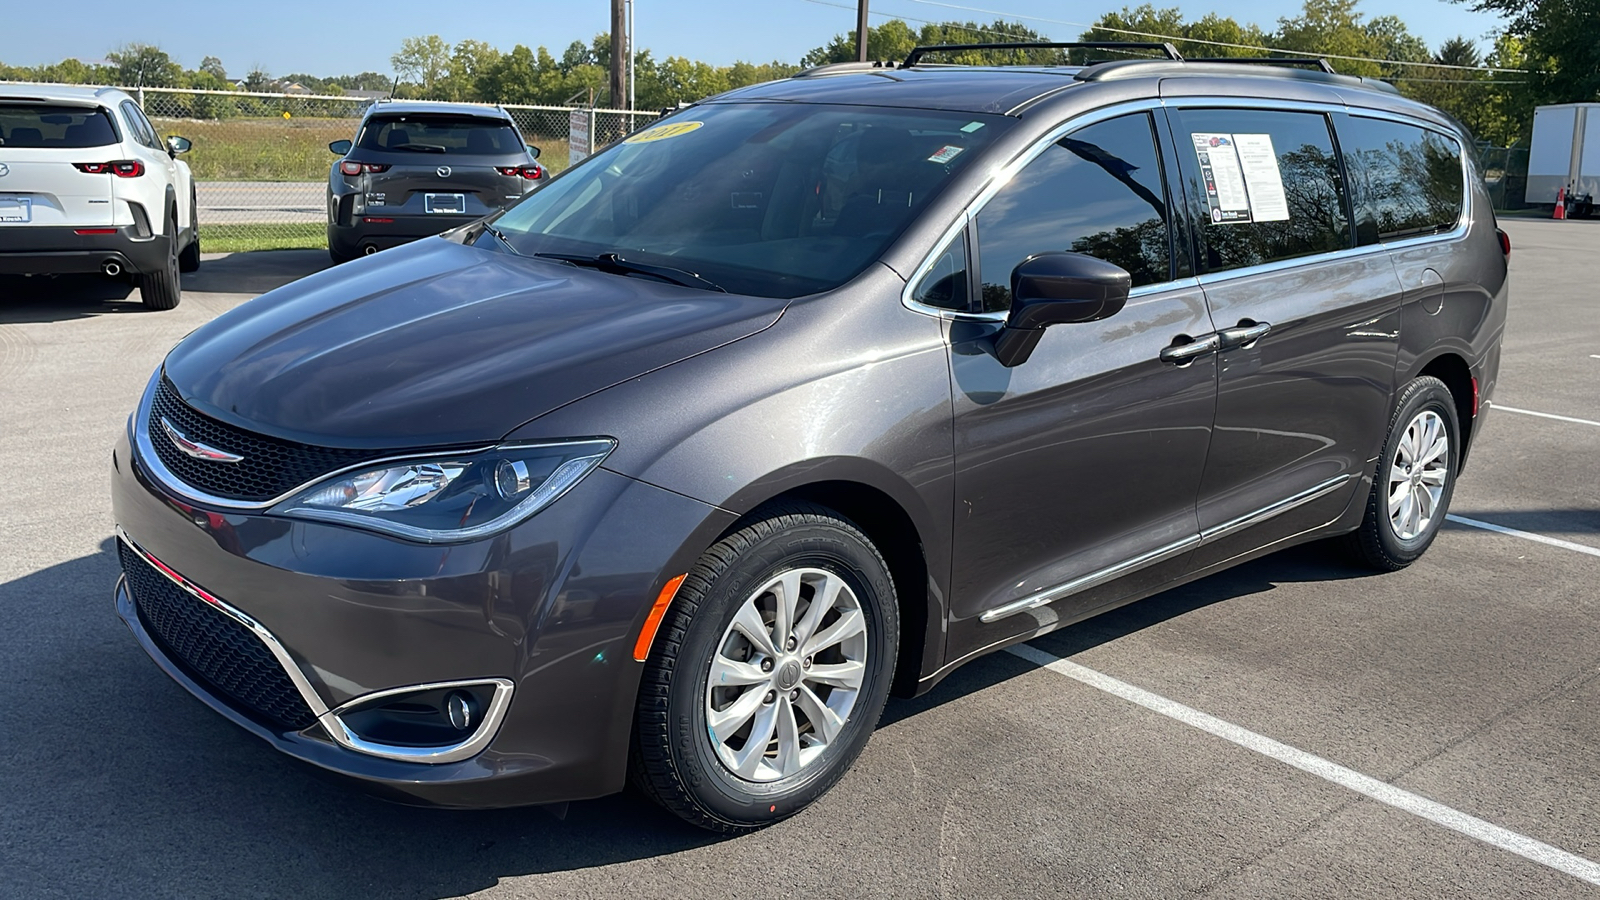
(440, 134)
(1405, 180)
(1097, 191)
(1265, 185)
(55, 126)
(945, 284)
(142, 131)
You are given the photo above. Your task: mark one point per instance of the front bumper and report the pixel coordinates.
(552, 607)
(57, 250)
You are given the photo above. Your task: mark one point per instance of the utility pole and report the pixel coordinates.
(861, 30)
(621, 54)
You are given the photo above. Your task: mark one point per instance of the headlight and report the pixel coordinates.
(449, 498)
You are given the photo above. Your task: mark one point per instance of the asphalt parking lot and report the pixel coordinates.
(1470, 680)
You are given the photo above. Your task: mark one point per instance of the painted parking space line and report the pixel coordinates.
(1525, 535)
(1381, 791)
(1544, 415)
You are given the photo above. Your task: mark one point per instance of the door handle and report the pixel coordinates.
(1183, 354)
(1244, 334)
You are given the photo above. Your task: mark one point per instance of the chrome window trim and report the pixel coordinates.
(1161, 554)
(267, 638)
(487, 728)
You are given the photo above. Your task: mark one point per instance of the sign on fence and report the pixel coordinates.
(580, 135)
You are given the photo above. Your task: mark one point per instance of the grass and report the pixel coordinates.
(286, 236)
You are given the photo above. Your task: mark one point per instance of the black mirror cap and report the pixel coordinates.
(176, 145)
(533, 151)
(1059, 288)
(341, 147)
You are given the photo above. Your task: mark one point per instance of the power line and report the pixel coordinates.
(1170, 37)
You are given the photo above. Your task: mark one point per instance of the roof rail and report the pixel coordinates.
(1165, 48)
(1138, 68)
(833, 68)
(1317, 61)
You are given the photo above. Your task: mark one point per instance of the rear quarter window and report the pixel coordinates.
(45, 126)
(1405, 180)
(435, 134)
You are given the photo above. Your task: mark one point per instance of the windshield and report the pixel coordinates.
(436, 134)
(767, 199)
(55, 126)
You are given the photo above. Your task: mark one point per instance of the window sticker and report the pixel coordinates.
(1262, 178)
(1225, 186)
(970, 127)
(946, 153)
(663, 132)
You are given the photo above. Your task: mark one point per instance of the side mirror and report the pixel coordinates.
(176, 145)
(1057, 289)
(533, 151)
(340, 147)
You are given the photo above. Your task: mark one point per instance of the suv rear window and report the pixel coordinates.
(440, 134)
(1406, 180)
(55, 126)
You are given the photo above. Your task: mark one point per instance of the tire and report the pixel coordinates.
(1389, 541)
(678, 760)
(189, 259)
(162, 289)
(337, 257)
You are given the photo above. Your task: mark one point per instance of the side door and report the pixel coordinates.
(1076, 472)
(1308, 324)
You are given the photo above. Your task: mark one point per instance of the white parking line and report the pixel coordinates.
(1381, 791)
(1525, 535)
(1529, 412)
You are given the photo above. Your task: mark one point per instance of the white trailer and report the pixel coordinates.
(1565, 151)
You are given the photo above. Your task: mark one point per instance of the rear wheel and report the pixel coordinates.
(769, 673)
(161, 289)
(1415, 480)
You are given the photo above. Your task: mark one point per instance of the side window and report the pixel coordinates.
(1097, 191)
(143, 132)
(1405, 180)
(945, 283)
(1265, 185)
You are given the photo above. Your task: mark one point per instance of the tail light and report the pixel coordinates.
(349, 167)
(1505, 241)
(529, 172)
(122, 168)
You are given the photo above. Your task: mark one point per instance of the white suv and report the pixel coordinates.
(86, 185)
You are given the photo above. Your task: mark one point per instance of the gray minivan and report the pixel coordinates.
(812, 392)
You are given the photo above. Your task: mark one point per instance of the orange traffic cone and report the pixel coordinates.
(1561, 204)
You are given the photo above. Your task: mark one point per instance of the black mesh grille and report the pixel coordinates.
(220, 652)
(270, 468)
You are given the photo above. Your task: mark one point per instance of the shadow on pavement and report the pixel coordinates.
(45, 298)
(118, 783)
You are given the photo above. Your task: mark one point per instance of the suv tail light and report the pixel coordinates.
(350, 167)
(529, 172)
(1505, 241)
(122, 168)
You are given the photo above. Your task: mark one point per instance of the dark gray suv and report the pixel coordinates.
(812, 392)
(418, 168)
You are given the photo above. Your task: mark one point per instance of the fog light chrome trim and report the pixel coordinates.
(488, 725)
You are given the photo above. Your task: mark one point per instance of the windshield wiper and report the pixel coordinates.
(501, 237)
(421, 148)
(611, 262)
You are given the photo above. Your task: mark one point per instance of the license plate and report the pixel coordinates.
(445, 203)
(15, 210)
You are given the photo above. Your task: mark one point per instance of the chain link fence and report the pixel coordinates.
(261, 161)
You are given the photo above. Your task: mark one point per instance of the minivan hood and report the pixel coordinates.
(438, 343)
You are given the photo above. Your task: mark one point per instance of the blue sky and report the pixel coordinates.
(323, 38)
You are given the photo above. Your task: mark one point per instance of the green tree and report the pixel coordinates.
(213, 67)
(1558, 40)
(142, 65)
(469, 61)
(424, 62)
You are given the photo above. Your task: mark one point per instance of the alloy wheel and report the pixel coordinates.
(1417, 475)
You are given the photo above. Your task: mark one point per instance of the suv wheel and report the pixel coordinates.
(769, 673)
(1416, 477)
(161, 289)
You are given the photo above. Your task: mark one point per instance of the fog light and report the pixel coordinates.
(459, 709)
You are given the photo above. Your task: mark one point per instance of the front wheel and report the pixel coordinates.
(1415, 480)
(769, 672)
